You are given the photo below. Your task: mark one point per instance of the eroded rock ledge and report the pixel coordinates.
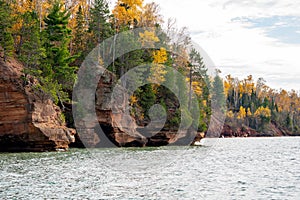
(27, 121)
(117, 126)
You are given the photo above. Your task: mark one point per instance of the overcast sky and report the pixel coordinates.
(242, 37)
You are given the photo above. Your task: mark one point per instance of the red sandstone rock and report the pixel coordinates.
(117, 127)
(28, 123)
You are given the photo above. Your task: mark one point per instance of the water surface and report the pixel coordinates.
(240, 168)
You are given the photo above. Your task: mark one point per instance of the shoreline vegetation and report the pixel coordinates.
(49, 41)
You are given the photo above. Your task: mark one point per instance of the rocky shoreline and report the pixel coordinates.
(29, 121)
(272, 130)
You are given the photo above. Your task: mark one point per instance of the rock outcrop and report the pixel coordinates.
(243, 131)
(114, 125)
(27, 121)
(270, 130)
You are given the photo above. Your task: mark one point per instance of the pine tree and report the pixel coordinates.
(147, 98)
(6, 39)
(31, 53)
(218, 96)
(198, 72)
(200, 83)
(182, 89)
(80, 37)
(99, 25)
(130, 60)
(57, 38)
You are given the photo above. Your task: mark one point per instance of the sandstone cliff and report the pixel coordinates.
(114, 126)
(28, 123)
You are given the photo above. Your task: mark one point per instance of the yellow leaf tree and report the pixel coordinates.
(157, 68)
(127, 13)
(263, 113)
(242, 113)
(148, 38)
(150, 16)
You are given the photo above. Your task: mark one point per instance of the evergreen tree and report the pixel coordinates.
(6, 39)
(182, 89)
(99, 25)
(198, 75)
(57, 69)
(31, 53)
(147, 98)
(130, 60)
(80, 37)
(218, 96)
(289, 122)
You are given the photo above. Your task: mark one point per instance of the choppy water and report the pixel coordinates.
(256, 168)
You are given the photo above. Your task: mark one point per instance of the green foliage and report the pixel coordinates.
(174, 121)
(182, 89)
(218, 96)
(80, 37)
(147, 98)
(99, 25)
(289, 122)
(6, 39)
(56, 69)
(31, 52)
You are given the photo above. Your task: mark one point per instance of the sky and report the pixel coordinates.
(243, 37)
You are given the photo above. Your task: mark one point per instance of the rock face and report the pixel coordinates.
(229, 131)
(27, 121)
(117, 126)
(270, 130)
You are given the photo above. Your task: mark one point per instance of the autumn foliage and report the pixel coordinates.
(52, 38)
(256, 105)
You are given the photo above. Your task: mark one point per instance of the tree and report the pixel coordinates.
(148, 38)
(242, 113)
(157, 70)
(6, 39)
(80, 36)
(99, 25)
(56, 66)
(127, 13)
(150, 16)
(289, 122)
(31, 53)
(263, 115)
(147, 99)
(197, 75)
(218, 96)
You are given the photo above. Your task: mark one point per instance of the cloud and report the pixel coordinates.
(245, 37)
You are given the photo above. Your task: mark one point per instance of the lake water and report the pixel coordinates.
(240, 168)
